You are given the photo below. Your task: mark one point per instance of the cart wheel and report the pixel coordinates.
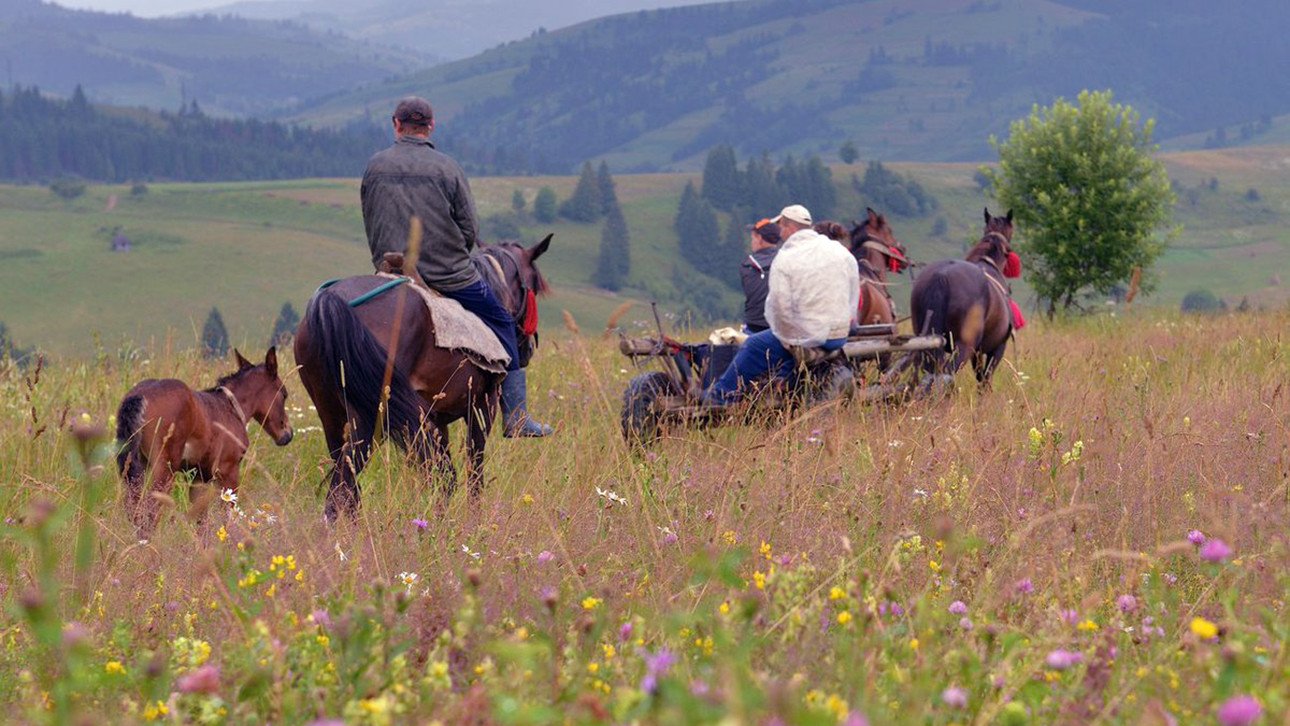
(642, 418)
(835, 381)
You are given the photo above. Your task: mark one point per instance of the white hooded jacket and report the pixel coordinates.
(814, 290)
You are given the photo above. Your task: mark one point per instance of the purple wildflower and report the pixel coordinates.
(656, 666)
(420, 524)
(322, 619)
(1170, 578)
(897, 610)
(1024, 586)
(544, 557)
(700, 688)
(1069, 616)
(1239, 711)
(669, 537)
(1215, 550)
(965, 623)
(1196, 537)
(203, 680)
(1126, 603)
(625, 631)
(855, 718)
(958, 607)
(1060, 660)
(955, 697)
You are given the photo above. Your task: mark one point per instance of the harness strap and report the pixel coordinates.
(378, 291)
(237, 407)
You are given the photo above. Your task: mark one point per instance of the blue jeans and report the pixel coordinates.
(761, 355)
(480, 300)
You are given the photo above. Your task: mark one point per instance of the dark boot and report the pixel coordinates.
(515, 414)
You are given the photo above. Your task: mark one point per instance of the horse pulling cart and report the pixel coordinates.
(673, 396)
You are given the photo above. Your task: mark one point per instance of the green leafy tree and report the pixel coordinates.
(1087, 191)
(284, 328)
(67, 188)
(585, 205)
(517, 201)
(614, 262)
(544, 205)
(214, 336)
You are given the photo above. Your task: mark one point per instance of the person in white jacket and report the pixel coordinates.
(813, 298)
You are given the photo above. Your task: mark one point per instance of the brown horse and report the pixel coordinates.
(877, 251)
(343, 352)
(968, 302)
(163, 427)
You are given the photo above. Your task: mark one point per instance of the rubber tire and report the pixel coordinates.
(642, 420)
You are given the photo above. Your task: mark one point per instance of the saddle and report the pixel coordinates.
(455, 327)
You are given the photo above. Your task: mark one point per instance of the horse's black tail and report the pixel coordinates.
(930, 309)
(354, 364)
(129, 419)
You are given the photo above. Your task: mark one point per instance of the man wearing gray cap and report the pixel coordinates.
(412, 178)
(812, 302)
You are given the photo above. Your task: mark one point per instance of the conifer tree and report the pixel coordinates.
(605, 186)
(614, 262)
(544, 205)
(214, 336)
(722, 185)
(585, 204)
(697, 231)
(284, 329)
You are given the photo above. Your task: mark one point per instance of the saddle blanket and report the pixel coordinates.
(459, 330)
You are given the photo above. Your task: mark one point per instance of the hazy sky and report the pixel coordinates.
(143, 8)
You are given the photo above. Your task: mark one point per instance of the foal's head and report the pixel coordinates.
(262, 394)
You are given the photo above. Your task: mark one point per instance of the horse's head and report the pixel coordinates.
(520, 279)
(262, 395)
(873, 239)
(1001, 225)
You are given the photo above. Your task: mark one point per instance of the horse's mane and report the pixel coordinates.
(515, 249)
(226, 379)
(990, 246)
(487, 270)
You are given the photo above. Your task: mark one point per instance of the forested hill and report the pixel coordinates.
(230, 65)
(44, 139)
(929, 80)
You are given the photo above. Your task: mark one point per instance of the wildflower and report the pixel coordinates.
(611, 496)
(656, 666)
(229, 496)
(913, 644)
(527, 500)
(544, 557)
(1060, 660)
(473, 555)
(408, 579)
(1088, 626)
(958, 607)
(844, 617)
(420, 524)
(1126, 603)
(1024, 586)
(837, 593)
(669, 536)
(114, 668)
(729, 537)
(855, 718)
(1204, 629)
(203, 680)
(1196, 537)
(625, 631)
(341, 553)
(1239, 711)
(764, 550)
(759, 579)
(1215, 550)
(965, 624)
(155, 710)
(591, 603)
(955, 697)
(724, 608)
(1036, 442)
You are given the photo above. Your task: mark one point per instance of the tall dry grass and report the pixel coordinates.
(913, 563)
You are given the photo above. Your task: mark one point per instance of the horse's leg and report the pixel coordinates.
(442, 467)
(348, 459)
(148, 510)
(986, 363)
(479, 422)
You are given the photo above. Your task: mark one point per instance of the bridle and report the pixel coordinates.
(503, 260)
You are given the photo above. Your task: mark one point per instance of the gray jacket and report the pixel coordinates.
(413, 178)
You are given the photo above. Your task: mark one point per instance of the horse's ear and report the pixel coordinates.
(242, 363)
(271, 361)
(1009, 217)
(987, 215)
(540, 248)
(874, 217)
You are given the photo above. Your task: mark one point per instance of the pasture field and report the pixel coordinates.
(249, 247)
(1103, 538)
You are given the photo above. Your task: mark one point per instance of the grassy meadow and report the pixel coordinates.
(1100, 539)
(247, 248)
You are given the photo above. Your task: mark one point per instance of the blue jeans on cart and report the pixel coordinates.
(761, 354)
(480, 300)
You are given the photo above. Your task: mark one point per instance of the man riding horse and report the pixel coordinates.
(413, 179)
(812, 302)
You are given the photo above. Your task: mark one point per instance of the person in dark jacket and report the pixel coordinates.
(412, 178)
(754, 272)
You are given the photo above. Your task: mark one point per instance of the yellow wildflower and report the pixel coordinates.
(1088, 626)
(1204, 629)
(725, 608)
(729, 536)
(913, 644)
(609, 650)
(591, 603)
(759, 579)
(837, 593)
(934, 566)
(764, 550)
(155, 711)
(844, 617)
(222, 534)
(114, 667)
(593, 667)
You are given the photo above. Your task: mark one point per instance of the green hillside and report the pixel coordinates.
(230, 65)
(921, 81)
(249, 247)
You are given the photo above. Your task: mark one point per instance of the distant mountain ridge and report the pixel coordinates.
(902, 79)
(230, 65)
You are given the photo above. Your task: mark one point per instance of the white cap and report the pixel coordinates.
(794, 213)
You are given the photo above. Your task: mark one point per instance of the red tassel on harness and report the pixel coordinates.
(528, 326)
(1012, 268)
(1018, 320)
(894, 264)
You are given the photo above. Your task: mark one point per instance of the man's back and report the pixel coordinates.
(409, 179)
(814, 290)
